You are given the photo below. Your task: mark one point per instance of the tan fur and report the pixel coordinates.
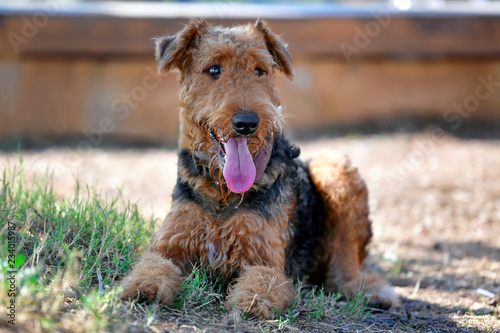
(245, 244)
(188, 234)
(346, 202)
(154, 277)
(260, 289)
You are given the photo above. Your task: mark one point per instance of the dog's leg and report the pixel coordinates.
(348, 230)
(153, 277)
(256, 248)
(259, 290)
(157, 274)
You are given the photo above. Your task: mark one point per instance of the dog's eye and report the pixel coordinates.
(215, 71)
(259, 71)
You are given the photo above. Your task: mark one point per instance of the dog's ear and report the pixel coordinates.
(277, 47)
(171, 50)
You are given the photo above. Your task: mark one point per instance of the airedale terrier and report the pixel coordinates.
(244, 204)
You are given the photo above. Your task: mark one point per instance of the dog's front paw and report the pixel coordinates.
(259, 291)
(385, 297)
(154, 277)
(380, 293)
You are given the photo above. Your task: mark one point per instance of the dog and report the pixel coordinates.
(244, 204)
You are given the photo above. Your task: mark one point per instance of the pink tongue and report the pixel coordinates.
(239, 171)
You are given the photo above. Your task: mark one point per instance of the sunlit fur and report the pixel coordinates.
(306, 220)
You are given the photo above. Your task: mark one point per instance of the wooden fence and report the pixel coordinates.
(86, 72)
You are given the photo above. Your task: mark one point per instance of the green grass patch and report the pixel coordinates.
(69, 253)
(55, 247)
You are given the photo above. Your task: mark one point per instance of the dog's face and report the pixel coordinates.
(230, 109)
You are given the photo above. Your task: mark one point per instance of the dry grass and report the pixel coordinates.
(436, 217)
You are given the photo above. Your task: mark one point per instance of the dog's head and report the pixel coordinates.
(230, 108)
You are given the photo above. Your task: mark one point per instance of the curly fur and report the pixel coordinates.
(306, 220)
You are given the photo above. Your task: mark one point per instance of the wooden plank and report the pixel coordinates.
(399, 36)
(333, 93)
(68, 74)
(125, 100)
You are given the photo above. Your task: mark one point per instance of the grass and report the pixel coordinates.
(65, 252)
(66, 255)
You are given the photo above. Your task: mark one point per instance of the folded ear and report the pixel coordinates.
(171, 50)
(277, 47)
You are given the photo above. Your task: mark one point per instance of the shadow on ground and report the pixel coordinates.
(439, 290)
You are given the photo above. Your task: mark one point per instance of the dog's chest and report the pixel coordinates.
(244, 239)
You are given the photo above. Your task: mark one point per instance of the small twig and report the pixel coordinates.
(251, 303)
(99, 278)
(206, 303)
(485, 293)
(417, 287)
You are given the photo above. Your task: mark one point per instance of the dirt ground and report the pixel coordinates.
(435, 207)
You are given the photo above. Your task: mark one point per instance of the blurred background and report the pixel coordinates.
(84, 70)
(409, 89)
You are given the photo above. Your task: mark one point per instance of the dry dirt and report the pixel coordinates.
(435, 205)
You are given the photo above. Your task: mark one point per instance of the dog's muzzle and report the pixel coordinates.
(239, 169)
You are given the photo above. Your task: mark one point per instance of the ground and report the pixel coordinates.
(435, 208)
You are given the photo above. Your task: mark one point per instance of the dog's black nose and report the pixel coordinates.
(246, 122)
